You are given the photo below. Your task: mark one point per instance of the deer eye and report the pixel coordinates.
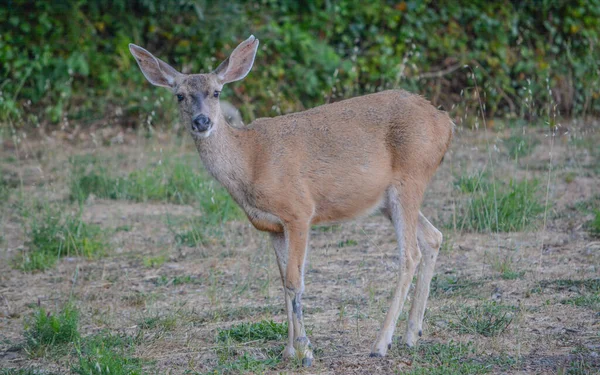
(216, 93)
(179, 97)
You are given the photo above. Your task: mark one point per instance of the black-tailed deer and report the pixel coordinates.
(330, 163)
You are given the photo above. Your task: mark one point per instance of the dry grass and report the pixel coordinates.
(185, 288)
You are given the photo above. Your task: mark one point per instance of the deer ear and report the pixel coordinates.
(239, 63)
(156, 71)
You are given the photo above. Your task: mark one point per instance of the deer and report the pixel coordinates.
(328, 164)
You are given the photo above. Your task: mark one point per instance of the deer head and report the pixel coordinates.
(198, 94)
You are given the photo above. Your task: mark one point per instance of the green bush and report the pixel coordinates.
(70, 59)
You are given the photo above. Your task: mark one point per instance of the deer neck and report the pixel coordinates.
(226, 154)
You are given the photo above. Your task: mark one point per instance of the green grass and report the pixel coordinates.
(162, 322)
(452, 358)
(594, 225)
(509, 207)
(591, 301)
(348, 242)
(487, 319)
(154, 261)
(452, 285)
(265, 330)
(520, 145)
(45, 332)
(505, 266)
(472, 183)
(53, 234)
(176, 280)
(27, 371)
(172, 180)
(582, 285)
(106, 354)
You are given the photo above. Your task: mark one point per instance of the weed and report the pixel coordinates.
(487, 319)
(245, 363)
(27, 371)
(154, 261)
(177, 280)
(591, 301)
(583, 285)
(594, 225)
(265, 330)
(53, 235)
(570, 177)
(165, 322)
(505, 267)
(170, 180)
(449, 359)
(44, 331)
(472, 183)
(451, 285)
(105, 354)
(520, 145)
(512, 207)
(348, 242)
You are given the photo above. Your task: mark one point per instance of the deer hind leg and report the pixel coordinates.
(429, 240)
(297, 237)
(281, 252)
(402, 205)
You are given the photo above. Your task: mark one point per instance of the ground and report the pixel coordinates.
(177, 283)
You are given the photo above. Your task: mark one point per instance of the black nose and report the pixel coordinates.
(200, 123)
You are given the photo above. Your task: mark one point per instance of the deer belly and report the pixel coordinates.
(348, 206)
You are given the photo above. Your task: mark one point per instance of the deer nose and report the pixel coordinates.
(200, 123)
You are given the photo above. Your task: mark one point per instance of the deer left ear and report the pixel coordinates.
(238, 64)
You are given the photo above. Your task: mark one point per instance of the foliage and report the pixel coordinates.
(65, 61)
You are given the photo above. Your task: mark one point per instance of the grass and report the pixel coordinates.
(176, 280)
(591, 301)
(509, 207)
(171, 180)
(450, 286)
(265, 330)
(594, 224)
(451, 358)
(106, 354)
(230, 363)
(53, 234)
(154, 261)
(520, 145)
(46, 332)
(505, 266)
(27, 371)
(487, 319)
(163, 322)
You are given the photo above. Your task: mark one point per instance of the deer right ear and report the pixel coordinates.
(238, 65)
(156, 71)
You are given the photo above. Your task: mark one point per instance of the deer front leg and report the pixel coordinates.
(281, 252)
(297, 236)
